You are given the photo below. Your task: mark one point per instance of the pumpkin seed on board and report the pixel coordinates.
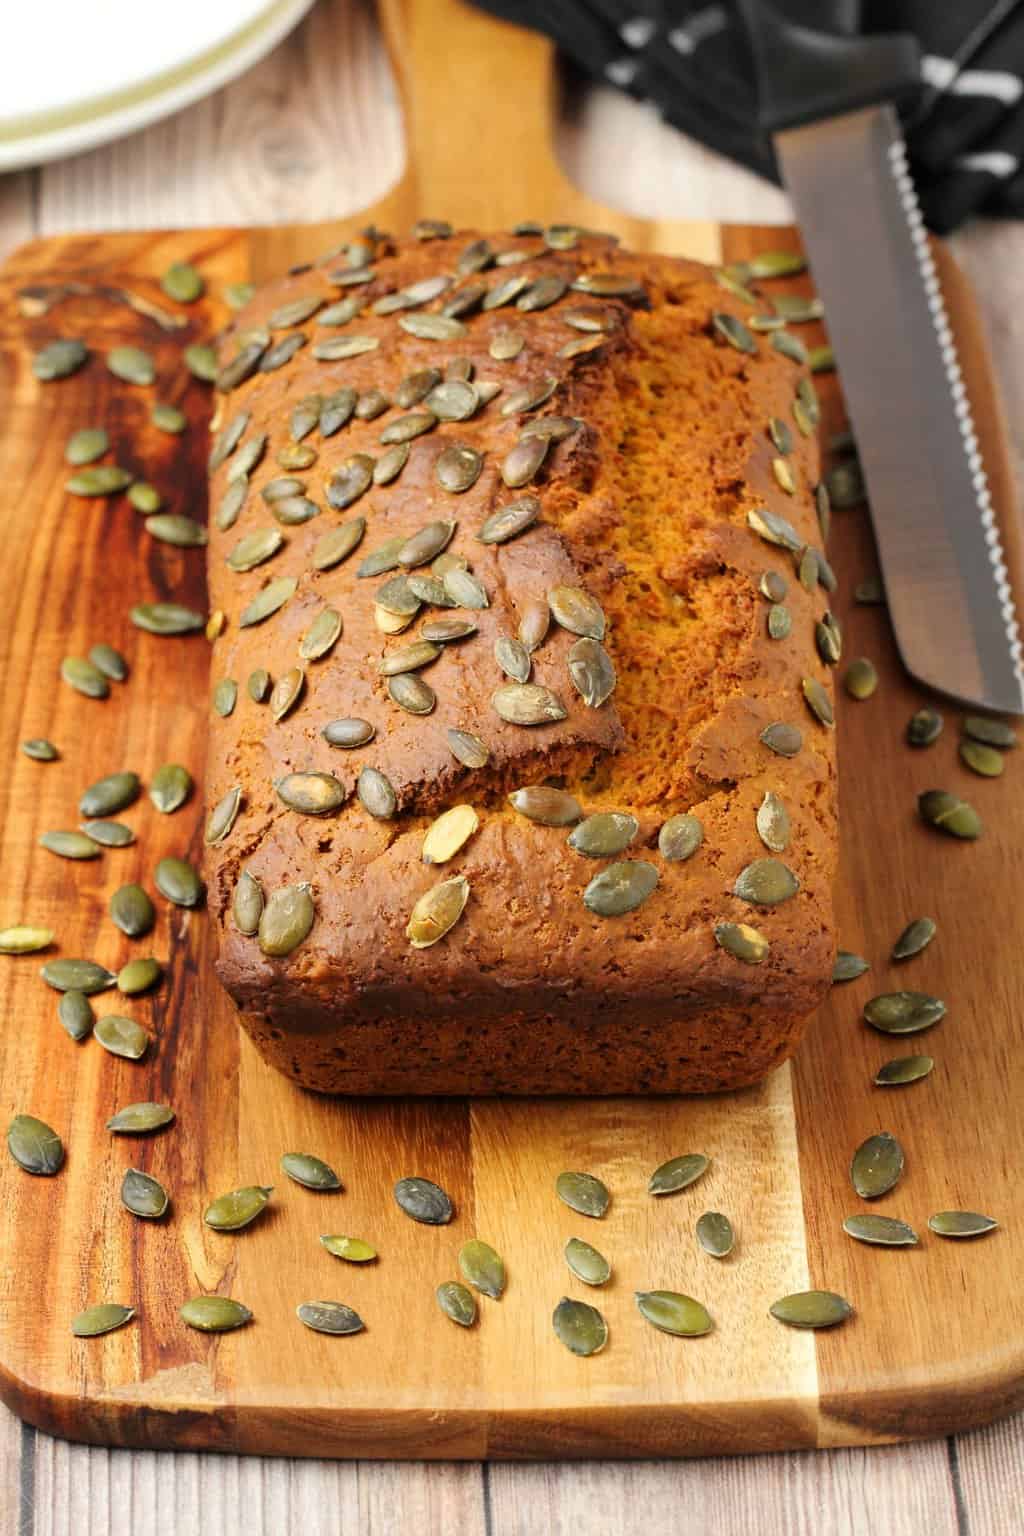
(131, 365)
(84, 678)
(237, 1209)
(742, 942)
(881, 1231)
(949, 814)
(139, 976)
(350, 480)
(924, 727)
(483, 1267)
(223, 816)
(620, 888)
(715, 1234)
(877, 1166)
(247, 904)
(782, 738)
(338, 409)
(603, 835)
(457, 1303)
(183, 282)
(848, 966)
(469, 749)
(214, 1314)
(309, 1171)
(348, 733)
(811, 1309)
(286, 920)
(178, 882)
(166, 618)
(102, 1318)
(70, 845)
(110, 662)
(903, 1069)
(86, 445)
(583, 1193)
(122, 1036)
(140, 1119)
(201, 361)
(24, 940)
(132, 911)
(449, 833)
(860, 679)
(355, 1250)
(424, 1201)
(332, 1317)
(77, 976)
(376, 793)
(903, 1013)
(960, 1224)
(110, 794)
(981, 759)
(176, 529)
(59, 359)
(678, 1173)
(845, 483)
(915, 937)
(586, 1263)
(992, 733)
(40, 750)
(143, 1195)
(170, 787)
(35, 1146)
(547, 805)
(580, 1327)
(168, 418)
(237, 295)
(766, 883)
(672, 1312)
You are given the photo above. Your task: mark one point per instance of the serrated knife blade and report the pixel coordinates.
(946, 578)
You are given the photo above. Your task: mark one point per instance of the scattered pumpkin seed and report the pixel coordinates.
(526, 703)
(860, 679)
(734, 332)
(40, 750)
(349, 481)
(77, 976)
(59, 359)
(483, 1267)
(881, 1231)
(34, 1145)
(960, 1224)
(678, 1173)
(201, 361)
(848, 966)
(348, 733)
(620, 888)
(214, 1314)
(469, 749)
(829, 639)
(235, 1210)
(603, 835)
(715, 1234)
(140, 1119)
(122, 1036)
(390, 464)
(143, 1195)
(458, 467)
(583, 1193)
(811, 1309)
(231, 503)
(924, 727)
(311, 793)
(176, 529)
(592, 672)
(774, 586)
(408, 658)
(132, 365)
(780, 621)
(286, 920)
(672, 1312)
(225, 697)
(132, 911)
(513, 658)
(183, 282)
(247, 903)
(102, 1318)
(547, 805)
(371, 404)
(949, 814)
(353, 1249)
(766, 883)
(170, 787)
(782, 738)
(992, 733)
(84, 678)
(680, 837)
(877, 1166)
(70, 845)
(903, 1013)
(178, 882)
(915, 937)
(332, 1317)
(981, 759)
(110, 794)
(166, 618)
(817, 701)
(845, 484)
(424, 1201)
(283, 351)
(523, 461)
(24, 940)
(86, 445)
(742, 942)
(774, 529)
(575, 610)
(321, 636)
(311, 1172)
(457, 1303)
(333, 547)
(376, 793)
(580, 1327)
(98, 480)
(449, 833)
(783, 472)
(437, 911)
(903, 1069)
(792, 347)
(223, 816)
(168, 418)
(586, 1263)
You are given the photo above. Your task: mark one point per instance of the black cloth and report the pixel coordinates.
(964, 128)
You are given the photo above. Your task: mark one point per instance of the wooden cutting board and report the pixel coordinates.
(937, 1341)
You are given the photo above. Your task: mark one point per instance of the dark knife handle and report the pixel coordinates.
(804, 73)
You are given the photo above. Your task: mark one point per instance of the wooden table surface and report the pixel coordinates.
(314, 132)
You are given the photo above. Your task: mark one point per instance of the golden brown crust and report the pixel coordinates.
(645, 507)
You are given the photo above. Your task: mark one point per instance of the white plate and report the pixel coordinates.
(108, 67)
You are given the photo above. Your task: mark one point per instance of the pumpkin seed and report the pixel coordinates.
(235, 1210)
(333, 547)
(231, 503)
(924, 727)
(915, 937)
(453, 400)
(176, 529)
(678, 1173)
(84, 678)
(432, 327)
(336, 410)
(620, 888)
(132, 911)
(102, 1318)
(225, 696)
(397, 597)
(680, 837)
(284, 350)
(214, 1314)
(404, 428)
(766, 883)
(715, 1234)
(949, 814)
(286, 920)
(247, 903)
(183, 282)
(138, 976)
(458, 467)
(672, 1312)
(140, 1119)
(86, 445)
(604, 835)
(530, 397)
(429, 590)
(776, 264)
(223, 816)
(960, 1224)
(131, 364)
(482, 1267)
(784, 477)
(848, 966)
(877, 1166)
(448, 561)
(70, 845)
(513, 658)
(23, 940)
(575, 610)
(527, 703)
(98, 480)
(590, 319)
(416, 386)
(426, 543)
(817, 701)
(544, 804)
(228, 439)
(783, 739)
(294, 312)
(811, 1309)
(821, 359)
(371, 404)
(40, 750)
(464, 300)
(903, 1013)
(780, 621)
(592, 672)
(166, 618)
(742, 942)
(77, 976)
(122, 1037)
(390, 464)
(437, 911)
(349, 481)
(734, 332)
(424, 1201)
(332, 1317)
(504, 292)
(109, 661)
(178, 882)
(903, 1069)
(861, 678)
(506, 343)
(992, 733)
(168, 418)
(586, 1263)
(792, 347)
(583, 1193)
(294, 456)
(312, 794)
(109, 834)
(321, 636)
(469, 749)
(268, 601)
(143, 1195)
(170, 787)
(449, 833)
(523, 461)
(773, 585)
(282, 488)
(774, 529)
(354, 1249)
(348, 733)
(457, 1303)
(201, 361)
(376, 793)
(984, 760)
(34, 1145)
(110, 794)
(881, 1231)
(845, 484)
(580, 1327)
(311, 1172)
(59, 359)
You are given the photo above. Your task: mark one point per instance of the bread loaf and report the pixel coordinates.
(580, 559)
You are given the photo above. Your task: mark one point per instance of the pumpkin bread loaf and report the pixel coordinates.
(518, 531)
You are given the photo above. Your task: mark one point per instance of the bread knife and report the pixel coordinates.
(827, 96)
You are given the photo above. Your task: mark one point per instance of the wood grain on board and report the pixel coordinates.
(935, 1343)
